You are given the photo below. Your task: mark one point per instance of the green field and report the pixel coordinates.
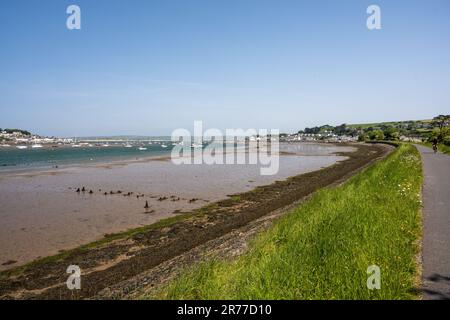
(322, 249)
(380, 124)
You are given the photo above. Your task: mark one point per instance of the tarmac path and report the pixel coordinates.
(436, 225)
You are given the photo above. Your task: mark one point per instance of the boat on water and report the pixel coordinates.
(5, 145)
(36, 146)
(105, 145)
(22, 147)
(76, 146)
(142, 148)
(128, 145)
(163, 146)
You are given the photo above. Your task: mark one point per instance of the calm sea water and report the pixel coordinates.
(12, 158)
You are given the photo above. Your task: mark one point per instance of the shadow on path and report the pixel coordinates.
(442, 281)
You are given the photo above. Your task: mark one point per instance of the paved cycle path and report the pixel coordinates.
(436, 224)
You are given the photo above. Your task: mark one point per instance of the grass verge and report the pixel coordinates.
(322, 249)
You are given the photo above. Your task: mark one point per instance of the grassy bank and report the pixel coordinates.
(322, 249)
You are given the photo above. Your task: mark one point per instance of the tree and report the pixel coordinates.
(442, 122)
(340, 130)
(376, 135)
(24, 132)
(362, 138)
(391, 133)
(314, 130)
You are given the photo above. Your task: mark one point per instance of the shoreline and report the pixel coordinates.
(123, 256)
(78, 165)
(46, 211)
(162, 155)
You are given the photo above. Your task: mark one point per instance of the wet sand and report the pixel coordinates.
(41, 213)
(126, 263)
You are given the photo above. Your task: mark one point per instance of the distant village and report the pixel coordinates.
(18, 137)
(410, 131)
(324, 136)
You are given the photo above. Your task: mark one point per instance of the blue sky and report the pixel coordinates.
(148, 67)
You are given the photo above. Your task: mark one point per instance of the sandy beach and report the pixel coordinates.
(42, 213)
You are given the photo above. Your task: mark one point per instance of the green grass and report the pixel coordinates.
(322, 249)
(368, 125)
(379, 124)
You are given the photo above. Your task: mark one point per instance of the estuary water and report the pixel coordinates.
(42, 213)
(12, 158)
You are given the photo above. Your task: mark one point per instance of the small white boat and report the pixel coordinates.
(142, 148)
(196, 145)
(76, 146)
(22, 147)
(128, 144)
(163, 146)
(36, 146)
(5, 145)
(105, 145)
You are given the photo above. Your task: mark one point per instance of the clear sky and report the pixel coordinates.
(148, 67)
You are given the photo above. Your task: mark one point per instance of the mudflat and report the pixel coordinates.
(42, 213)
(122, 257)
